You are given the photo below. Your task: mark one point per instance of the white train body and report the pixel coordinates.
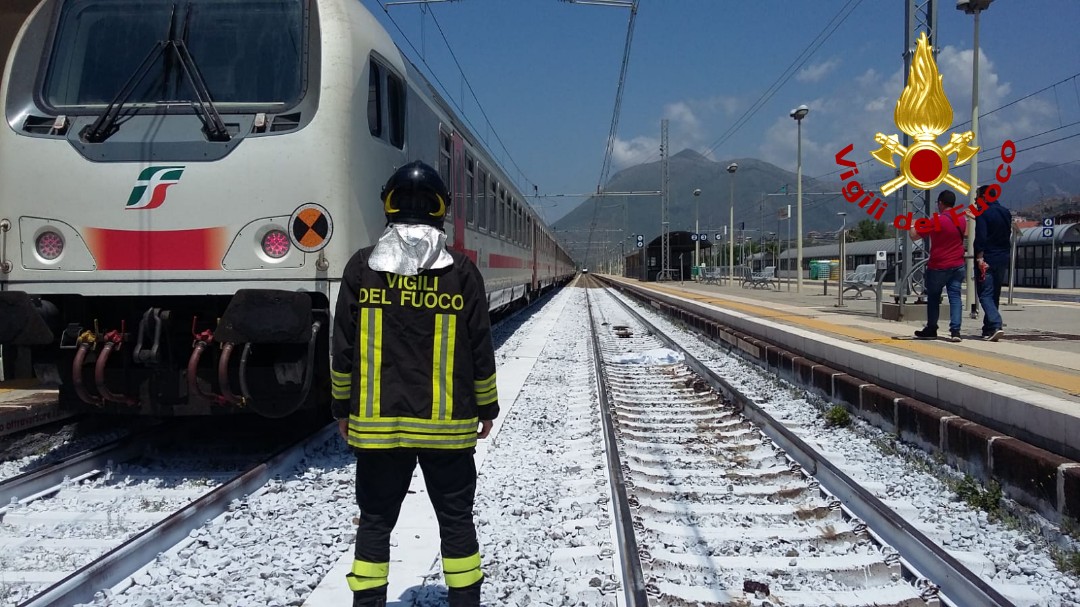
(138, 232)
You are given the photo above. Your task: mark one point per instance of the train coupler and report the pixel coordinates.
(150, 328)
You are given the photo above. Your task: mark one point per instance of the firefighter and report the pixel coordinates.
(413, 375)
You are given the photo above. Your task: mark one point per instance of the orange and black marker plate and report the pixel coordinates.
(311, 227)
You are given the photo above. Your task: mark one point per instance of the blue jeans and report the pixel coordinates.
(950, 280)
(990, 296)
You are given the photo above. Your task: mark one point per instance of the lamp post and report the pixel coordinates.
(798, 114)
(843, 261)
(974, 7)
(697, 230)
(731, 168)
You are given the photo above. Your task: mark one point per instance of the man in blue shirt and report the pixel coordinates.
(993, 230)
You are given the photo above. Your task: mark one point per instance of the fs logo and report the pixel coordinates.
(923, 112)
(150, 188)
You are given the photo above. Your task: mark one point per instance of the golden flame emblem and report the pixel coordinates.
(923, 112)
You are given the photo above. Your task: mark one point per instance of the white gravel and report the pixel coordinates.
(543, 507)
(1017, 562)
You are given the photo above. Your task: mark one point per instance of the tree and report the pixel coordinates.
(868, 229)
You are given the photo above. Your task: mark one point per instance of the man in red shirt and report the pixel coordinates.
(945, 270)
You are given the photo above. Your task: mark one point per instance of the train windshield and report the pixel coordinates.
(249, 52)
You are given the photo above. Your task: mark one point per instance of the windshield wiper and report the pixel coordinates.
(215, 128)
(105, 125)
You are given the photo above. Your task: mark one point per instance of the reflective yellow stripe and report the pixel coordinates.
(370, 350)
(366, 575)
(369, 569)
(340, 384)
(411, 440)
(482, 385)
(391, 424)
(442, 367)
(486, 391)
(462, 572)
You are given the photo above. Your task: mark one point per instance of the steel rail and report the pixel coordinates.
(52, 476)
(955, 582)
(124, 560)
(633, 578)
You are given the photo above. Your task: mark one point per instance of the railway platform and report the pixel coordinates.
(24, 405)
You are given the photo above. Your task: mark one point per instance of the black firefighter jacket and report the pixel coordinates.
(413, 364)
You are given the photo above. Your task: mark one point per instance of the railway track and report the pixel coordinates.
(87, 522)
(717, 503)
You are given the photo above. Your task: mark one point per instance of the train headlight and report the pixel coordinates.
(275, 244)
(49, 245)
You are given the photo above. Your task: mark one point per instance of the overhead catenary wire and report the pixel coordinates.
(605, 169)
(792, 68)
(446, 91)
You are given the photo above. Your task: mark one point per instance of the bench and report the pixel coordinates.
(711, 276)
(763, 279)
(864, 278)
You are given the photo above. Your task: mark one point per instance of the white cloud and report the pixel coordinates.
(817, 71)
(684, 131)
(635, 151)
(864, 105)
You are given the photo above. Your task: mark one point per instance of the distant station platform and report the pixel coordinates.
(1026, 384)
(24, 405)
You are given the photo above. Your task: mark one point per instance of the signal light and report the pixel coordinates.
(49, 245)
(275, 244)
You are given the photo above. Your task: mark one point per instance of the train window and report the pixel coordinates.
(481, 200)
(395, 106)
(374, 99)
(249, 52)
(470, 191)
(502, 212)
(493, 214)
(506, 216)
(517, 222)
(446, 169)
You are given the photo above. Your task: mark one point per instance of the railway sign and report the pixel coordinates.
(718, 236)
(311, 227)
(703, 236)
(693, 237)
(1048, 222)
(1048, 232)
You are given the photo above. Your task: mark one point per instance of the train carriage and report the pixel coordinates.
(182, 183)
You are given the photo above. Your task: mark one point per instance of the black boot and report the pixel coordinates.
(469, 596)
(375, 597)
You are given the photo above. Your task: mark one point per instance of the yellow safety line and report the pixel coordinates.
(18, 384)
(1070, 382)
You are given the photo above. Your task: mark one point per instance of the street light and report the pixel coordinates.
(798, 114)
(973, 7)
(731, 168)
(842, 244)
(697, 230)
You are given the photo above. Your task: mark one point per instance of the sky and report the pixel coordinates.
(538, 80)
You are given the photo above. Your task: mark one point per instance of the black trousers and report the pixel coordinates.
(382, 481)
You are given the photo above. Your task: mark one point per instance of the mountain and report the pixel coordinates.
(689, 170)
(1039, 181)
(617, 217)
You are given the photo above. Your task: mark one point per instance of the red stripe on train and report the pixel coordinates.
(200, 249)
(504, 261)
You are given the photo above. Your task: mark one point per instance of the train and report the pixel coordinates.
(183, 181)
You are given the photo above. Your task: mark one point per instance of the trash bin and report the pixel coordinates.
(834, 269)
(814, 269)
(695, 272)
